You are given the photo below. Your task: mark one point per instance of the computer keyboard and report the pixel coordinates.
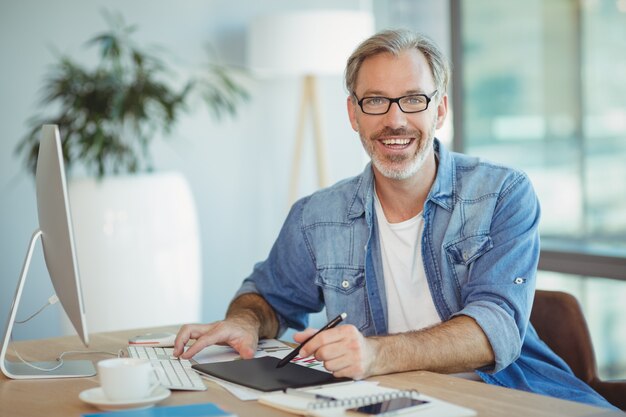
(177, 374)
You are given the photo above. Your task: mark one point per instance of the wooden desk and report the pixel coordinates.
(59, 397)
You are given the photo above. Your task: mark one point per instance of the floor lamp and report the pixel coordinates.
(306, 44)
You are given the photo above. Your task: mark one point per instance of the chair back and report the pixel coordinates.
(560, 323)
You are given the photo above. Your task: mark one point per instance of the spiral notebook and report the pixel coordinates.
(354, 395)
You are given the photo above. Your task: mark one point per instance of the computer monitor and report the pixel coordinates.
(57, 239)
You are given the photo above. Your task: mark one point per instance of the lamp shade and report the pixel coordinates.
(306, 43)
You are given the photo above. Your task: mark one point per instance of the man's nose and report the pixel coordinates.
(395, 117)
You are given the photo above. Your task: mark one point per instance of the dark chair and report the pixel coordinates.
(560, 323)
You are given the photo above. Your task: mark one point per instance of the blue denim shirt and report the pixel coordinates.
(480, 248)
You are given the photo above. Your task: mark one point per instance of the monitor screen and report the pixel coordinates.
(57, 239)
(55, 224)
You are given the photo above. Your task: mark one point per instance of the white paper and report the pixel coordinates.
(218, 353)
(241, 392)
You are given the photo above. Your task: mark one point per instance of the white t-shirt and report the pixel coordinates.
(410, 305)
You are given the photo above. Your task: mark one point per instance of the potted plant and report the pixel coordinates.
(136, 230)
(109, 115)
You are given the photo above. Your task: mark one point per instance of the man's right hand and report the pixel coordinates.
(239, 332)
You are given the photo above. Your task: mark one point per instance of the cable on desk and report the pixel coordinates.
(60, 358)
(51, 301)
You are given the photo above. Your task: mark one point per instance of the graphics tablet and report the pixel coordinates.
(261, 374)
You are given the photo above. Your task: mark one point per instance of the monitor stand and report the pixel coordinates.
(20, 370)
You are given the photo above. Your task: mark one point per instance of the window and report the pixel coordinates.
(544, 90)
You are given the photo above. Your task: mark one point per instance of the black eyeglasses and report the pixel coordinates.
(377, 105)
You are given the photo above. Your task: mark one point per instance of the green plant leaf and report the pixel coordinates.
(109, 115)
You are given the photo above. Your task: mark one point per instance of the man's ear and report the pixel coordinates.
(352, 113)
(442, 111)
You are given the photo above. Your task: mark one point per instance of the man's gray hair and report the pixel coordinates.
(395, 42)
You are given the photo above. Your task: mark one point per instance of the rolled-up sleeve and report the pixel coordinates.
(286, 279)
(500, 287)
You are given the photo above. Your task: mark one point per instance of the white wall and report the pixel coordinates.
(238, 169)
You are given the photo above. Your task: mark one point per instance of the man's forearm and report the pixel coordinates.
(254, 309)
(458, 345)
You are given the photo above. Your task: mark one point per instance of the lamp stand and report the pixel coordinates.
(309, 99)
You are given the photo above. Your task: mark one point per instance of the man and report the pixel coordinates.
(431, 254)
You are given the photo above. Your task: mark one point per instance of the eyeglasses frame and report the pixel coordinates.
(429, 98)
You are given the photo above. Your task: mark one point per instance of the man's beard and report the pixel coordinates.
(399, 167)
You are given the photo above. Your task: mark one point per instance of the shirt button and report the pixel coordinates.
(345, 283)
(519, 280)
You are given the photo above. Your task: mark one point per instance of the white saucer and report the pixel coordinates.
(95, 396)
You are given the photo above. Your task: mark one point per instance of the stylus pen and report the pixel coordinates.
(284, 361)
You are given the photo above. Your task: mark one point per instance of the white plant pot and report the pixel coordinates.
(138, 250)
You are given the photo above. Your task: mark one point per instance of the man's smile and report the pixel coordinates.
(396, 144)
(388, 142)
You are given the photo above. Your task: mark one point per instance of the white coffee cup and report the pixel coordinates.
(127, 379)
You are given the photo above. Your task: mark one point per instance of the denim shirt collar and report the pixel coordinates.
(441, 193)
(363, 194)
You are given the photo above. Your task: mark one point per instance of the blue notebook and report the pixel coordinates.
(190, 410)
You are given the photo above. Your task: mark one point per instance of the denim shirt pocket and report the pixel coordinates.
(344, 291)
(461, 253)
